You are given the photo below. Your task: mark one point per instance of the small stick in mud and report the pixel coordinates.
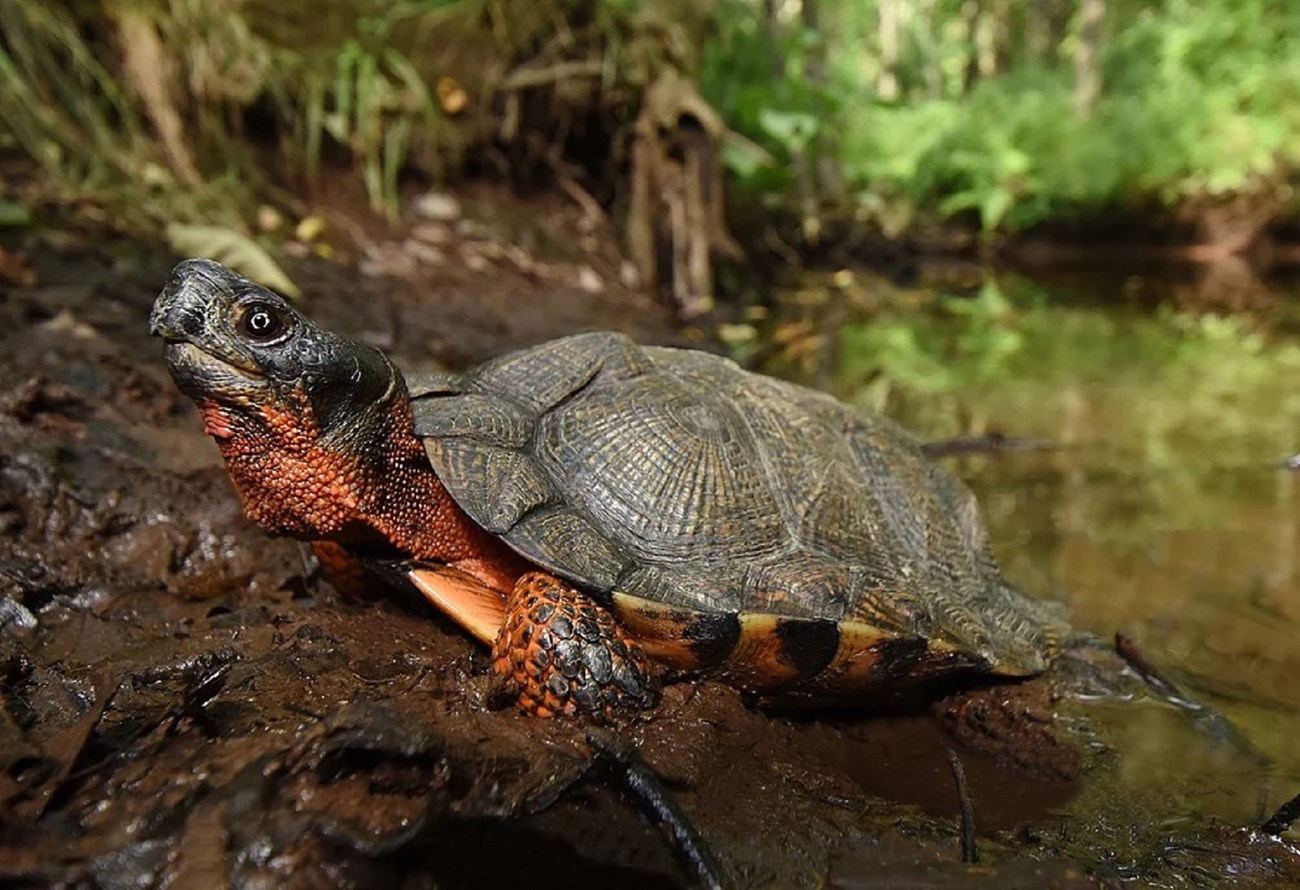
(648, 790)
(1282, 820)
(969, 853)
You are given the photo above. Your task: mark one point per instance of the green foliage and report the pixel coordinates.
(756, 78)
(59, 101)
(1210, 95)
(1198, 99)
(969, 110)
(13, 214)
(1012, 151)
(372, 101)
(89, 88)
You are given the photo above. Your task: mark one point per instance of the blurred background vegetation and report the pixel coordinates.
(1018, 112)
(955, 125)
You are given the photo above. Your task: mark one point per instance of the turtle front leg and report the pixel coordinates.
(560, 652)
(344, 572)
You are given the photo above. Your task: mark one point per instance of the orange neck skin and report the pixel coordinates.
(294, 485)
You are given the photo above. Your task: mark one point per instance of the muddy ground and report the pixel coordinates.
(185, 703)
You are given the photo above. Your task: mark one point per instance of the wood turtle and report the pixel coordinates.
(599, 512)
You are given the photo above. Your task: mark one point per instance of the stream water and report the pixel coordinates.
(1145, 487)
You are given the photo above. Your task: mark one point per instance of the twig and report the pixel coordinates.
(781, 249)
(649, 791)
(590, 206)
(1206, 718)
(969, 853)
(523, 78)
(1126, 647)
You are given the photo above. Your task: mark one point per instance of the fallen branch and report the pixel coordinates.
(1126, 647)
(524, 78)
(1205, 717)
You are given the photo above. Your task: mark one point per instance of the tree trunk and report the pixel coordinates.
(970, 11)
(986, 40)
(934, 59)
(803, 161)
(1087, 76)
(887, 83)
(1038, 30)
(771, 39)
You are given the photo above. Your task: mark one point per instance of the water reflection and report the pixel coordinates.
(1164, 510)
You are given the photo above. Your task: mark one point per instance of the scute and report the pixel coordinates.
(690, 493)
(676, 475)
(565, 542)
(481, 418)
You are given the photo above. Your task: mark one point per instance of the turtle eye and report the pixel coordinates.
(261, 322)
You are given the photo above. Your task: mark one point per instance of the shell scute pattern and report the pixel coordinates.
(673, 481)
(465, 458)
(784, 587)
(488, 420)
(699, 587)
(538, 379)
(566, 541)
(677, 480)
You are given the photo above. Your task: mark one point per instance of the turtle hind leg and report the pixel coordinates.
(560, 652)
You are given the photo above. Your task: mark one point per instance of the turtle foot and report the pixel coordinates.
(560, 652)
(344, 572)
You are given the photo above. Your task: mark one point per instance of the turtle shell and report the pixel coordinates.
(735, 523)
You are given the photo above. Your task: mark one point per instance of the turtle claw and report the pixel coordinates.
(559, 652)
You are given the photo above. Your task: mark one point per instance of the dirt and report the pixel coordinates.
(186, 703)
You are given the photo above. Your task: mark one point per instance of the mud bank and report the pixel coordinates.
(186, 703)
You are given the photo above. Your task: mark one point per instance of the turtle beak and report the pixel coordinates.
(190, 315)
(194, 309)
(212, 358)
(180, 313)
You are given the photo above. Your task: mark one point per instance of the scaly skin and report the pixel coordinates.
(294, 484)
(317, 434)
(561, 653)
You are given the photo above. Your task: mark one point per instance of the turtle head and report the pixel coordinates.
(302, 415)
(237, 344)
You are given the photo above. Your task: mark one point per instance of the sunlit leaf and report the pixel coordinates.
(233, 249)
(794, 130)
(13, 214)
(742, 159)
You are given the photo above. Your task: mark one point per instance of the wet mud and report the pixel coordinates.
(183, 701)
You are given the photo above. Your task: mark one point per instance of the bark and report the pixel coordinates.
(887, 84)
(1087, 76)
(1038, 29)
(986, 41)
